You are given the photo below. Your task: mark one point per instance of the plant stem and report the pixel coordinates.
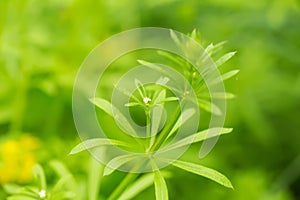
(122, 186)
(164, 133)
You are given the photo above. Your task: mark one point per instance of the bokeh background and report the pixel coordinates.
(43, 43)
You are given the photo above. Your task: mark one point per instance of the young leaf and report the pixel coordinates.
(128, 94)
(103, 104)
(140, 88)
(119, 117)
(39, 175)
(132, 104)
(175, 38)
(97, 142)
(198, 137)
(156, 116)
(229, 74)
(118, 162)
(203, 171)
(161, 190)
(186, 115)
(218, 95)
(139, 185)
(209, 107)
(225, 58)
(175, 59)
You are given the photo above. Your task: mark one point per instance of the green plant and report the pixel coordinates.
(62, 189)
(152, 99)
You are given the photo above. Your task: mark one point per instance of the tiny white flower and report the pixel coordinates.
(146, 100)
(42, 193)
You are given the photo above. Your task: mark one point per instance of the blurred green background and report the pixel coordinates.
(43, 43)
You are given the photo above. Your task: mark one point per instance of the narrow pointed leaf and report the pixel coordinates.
(198, 137)
(186, 115)
(132, 104)
(117, 162)
(218, 95)
(175, 38)
(118, 116)
(225, 58)
(39, 175)
(103, 105)
(169, 99)
(229, 74)
(203, 171)
(161, 190)
(223, 77)
(128, 94)
(156, 116)
(209, 107)
(173, 58)
(140, 88)
(139, 185)
(60, 184)
(97, 142)
(21, 197)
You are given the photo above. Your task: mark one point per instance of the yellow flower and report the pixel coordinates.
(17, 158)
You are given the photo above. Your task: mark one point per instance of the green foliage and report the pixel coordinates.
(152, 100)
(61, 189)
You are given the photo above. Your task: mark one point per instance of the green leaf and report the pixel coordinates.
(218, 95)
(161, 96)
(186, 115)
(161, 190)
(117, 162)
(118, 116)
(139, 185)
(198, 137)
(128, 94)
(140, 88)
(21, 197)
(169, 99)
(229, 74)
(175, 38)
(63, 196)
(12, 188)
(94, 178)
(61, 184)
(225, 58)
(97, 142)
(103, 104)
(203, 171)
(39, 175)
(156, 116)
(176, 59)
(209, 107)
(59, 168)
(132, 104)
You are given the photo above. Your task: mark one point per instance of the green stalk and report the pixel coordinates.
(122, 186)
(164, 133)
(148, 123)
